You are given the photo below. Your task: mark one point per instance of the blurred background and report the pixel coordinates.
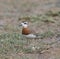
(43, 16)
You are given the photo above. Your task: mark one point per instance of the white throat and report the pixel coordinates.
(25, 26)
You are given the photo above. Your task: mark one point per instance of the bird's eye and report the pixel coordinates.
(25, 23)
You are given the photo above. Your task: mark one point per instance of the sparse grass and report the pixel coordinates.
(42, 17)
(47, 19)
(29, 18)
(12, 42)
(53, 13)
(47, 34)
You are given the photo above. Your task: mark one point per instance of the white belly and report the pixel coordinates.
(30, 36)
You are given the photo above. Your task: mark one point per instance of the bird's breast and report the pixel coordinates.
(26, 31)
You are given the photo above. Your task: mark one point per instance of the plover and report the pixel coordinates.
(26, 32)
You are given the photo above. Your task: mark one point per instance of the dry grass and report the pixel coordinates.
(13, 45)
(11, 42)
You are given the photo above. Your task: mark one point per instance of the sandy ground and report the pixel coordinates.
(12, 10)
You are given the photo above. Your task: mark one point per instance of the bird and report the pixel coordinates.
(26, 32)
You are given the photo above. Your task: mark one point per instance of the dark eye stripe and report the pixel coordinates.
(25, 23)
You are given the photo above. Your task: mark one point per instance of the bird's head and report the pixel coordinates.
(24, 24)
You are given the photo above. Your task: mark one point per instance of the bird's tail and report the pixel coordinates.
(38, 36)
